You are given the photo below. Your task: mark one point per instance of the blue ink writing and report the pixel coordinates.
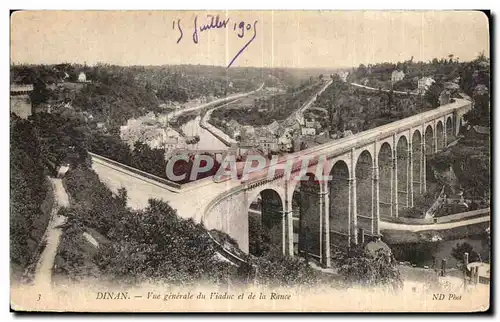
(215, 22)
(180, 29)
(241, 26)
(248, 43)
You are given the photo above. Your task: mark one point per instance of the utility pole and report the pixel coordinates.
(466, 263)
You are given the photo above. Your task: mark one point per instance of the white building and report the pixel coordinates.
(268, 144)
(82, 78)
(397, 76)
(308, 131)
(343, 76)
(310, 123)
(424, 83)
(247, 132)
(171, 143)
(285, 141)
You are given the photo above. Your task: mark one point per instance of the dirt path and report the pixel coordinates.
(384, 90)
(299, 114)
(52, 236)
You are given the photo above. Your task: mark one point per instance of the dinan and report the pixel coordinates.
(112, 296)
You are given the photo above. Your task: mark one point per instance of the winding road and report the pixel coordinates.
(298, 115)
(214, 102)
(384, 90)
(415, 228)
(43, 273)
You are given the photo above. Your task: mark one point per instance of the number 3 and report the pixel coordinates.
(39, 297)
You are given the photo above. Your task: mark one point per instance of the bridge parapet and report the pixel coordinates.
(172, 186)
(384, 131)
(142, 175)
(14, 89)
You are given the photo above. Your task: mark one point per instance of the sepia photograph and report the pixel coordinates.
(250, 161)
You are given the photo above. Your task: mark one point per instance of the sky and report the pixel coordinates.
(296, 39)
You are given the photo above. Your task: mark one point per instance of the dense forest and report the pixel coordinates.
(114, 94)
(28, 190)
(358, 109)
(470, 158)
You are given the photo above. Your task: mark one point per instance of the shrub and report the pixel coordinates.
(277, 270)
(360, 266)
(458, 252)
(28, 190)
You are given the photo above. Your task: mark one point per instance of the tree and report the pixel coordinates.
(259, 242)
(361, 71)
(331, 117)
(460, 249)
(278, 270)
(158, 244)
(340, 123)
(40, 93)
(432, 94)
(370, 269)
(63, 136)
(28, 189)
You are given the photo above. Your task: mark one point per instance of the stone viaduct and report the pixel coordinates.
(373, 174)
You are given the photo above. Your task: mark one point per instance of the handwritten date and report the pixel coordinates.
(241, 29)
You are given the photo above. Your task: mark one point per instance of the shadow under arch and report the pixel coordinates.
(340, 223)
(402, 188)
(364, 195)
(449, 129)
(307, 217)
(429, 140)
(265, 223)
(416, 152)
(440, 135)
(385, 179)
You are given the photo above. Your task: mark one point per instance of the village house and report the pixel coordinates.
(247, 132)
(268, 144)
(273, 127)
(20, 102)
(82, 78)
(170, 143)
(233, 128)
(397, 76)
(424, 83)
(343, 76)
(285, 144)
(308, 131)
(310, 123)
(285, 140)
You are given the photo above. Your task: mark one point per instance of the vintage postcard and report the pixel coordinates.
(250, 161)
